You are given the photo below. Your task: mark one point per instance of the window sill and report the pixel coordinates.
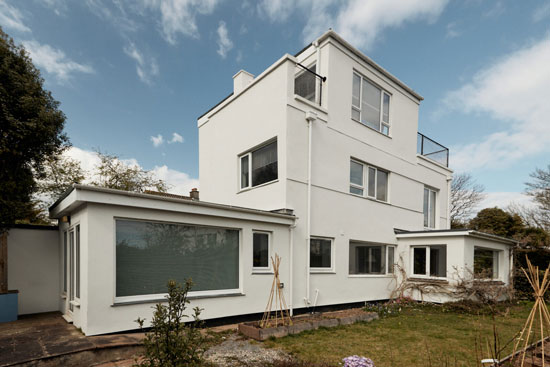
(371, 128)
(75, 303)
(162, 298)
(311, 104)
(370, 276)
(321, 271)
(262, 271)
(370, 198)
(63, 296)
(426, 279)
(255, 187)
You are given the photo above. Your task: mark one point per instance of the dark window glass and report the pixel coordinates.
(438, 261)
(391, 259)
(304, 84)
(419, 267)
(77, 260)
(367, 259)
(244, 171)
(264, 164)
(320, 253)
(381, 185)
(485, 263)
(65, 249)
(260, 250)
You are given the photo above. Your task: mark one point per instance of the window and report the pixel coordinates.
(65, 249)
(391, 259)
(429, 207)
(71, 270)
(148, 254)
(259, 166)
(77, 262)
(366, 258)
(365, 179)
(304, 84)
(260, 251)
(485, 263)
(370, 105)
(430, 261)
(320, 254)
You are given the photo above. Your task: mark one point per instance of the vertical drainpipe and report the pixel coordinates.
(291, 264)
(449, 180)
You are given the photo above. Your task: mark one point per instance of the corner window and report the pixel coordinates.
(367, 258)
(260, 251)
(77, 262)
(304, 84)
(430, 261)
(320, 254)
(370, 105)
(65, 249)
(368, 181)
(429, 207)
(485, 263)
(259, 166)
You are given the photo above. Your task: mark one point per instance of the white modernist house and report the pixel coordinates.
(317, 159)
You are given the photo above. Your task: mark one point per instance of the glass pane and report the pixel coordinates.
(385, 129)
(264, 164)
(65, 262)
(370, 105)
(382, 185)
(77, 255)
(244, 172)
(148, 254)
(372, 182)
(304, 84)
(386, 108)
(355, 114)
(320, 253)
(355, 190)
(356, 173)
(391, 259)
(485, 263)
(356, 91)
(71, 266)
(426, 207)
(419, 266)
(432, 209)
(261, 250)
(438, 261)
(366, 259)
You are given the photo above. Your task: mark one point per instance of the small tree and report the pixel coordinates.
(466, 194)
(171, 342)
(498, 222)
(539, 190)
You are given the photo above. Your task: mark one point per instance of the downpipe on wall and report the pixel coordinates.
(310, 117)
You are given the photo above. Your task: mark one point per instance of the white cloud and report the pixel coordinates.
(157, 140)
(452, 31)
(179, 182)
(542, 12)
(146, 67)
(11, 18)
(176, 138)
(503, 200)
(224, 43)
(116, 15)
(54, 61)
(514, 91)
(360, 22)
(59, 7)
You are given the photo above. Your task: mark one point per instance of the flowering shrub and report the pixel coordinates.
(356, 361)
(392, 307)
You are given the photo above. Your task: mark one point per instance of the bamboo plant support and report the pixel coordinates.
(281, 313)
(539, 310)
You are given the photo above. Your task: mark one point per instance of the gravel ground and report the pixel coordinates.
(235, 351)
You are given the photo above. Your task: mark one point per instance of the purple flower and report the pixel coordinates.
(356, 361)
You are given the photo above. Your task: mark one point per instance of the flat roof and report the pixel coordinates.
(452, 232)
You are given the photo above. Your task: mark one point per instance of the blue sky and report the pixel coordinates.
(128, 72)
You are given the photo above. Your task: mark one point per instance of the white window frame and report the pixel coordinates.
(382, 93)
(385, 259)
(428, 262)
(332, 254)
(388, 272)
(65, 263)
(268, 268)
(436, 194)
(365, 186)
(496, 258)
(249, 155)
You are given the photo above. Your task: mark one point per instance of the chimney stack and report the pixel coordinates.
(241, 80)
(194, 194)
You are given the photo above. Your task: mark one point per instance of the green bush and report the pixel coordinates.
(171, 342)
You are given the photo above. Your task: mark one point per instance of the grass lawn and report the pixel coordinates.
(421, 335)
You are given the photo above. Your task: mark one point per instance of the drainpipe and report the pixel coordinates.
(291, 264)
(310, 117)
(449, 180)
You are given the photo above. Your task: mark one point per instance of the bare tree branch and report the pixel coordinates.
(466, 194)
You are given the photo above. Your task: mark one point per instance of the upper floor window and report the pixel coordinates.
(304, 83)
(368, 181)
(259, 166)
(429, 207)
(370, 105)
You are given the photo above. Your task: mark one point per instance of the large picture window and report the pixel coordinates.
(259, 166)
(367, 258)
(429, 207)
(430, 261)
(368, 181)
(148, 254)
(485, 263)
(370, 105)
(320, 254)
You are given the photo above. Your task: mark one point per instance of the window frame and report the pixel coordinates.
(330, 269)
(249, 155)
(365, 187)
(316, 89)
(262, 269)
(496, 263)
(436, 198)
(77, 258)
(386, 272)
(65, 262)
(383, 92)
(428, 262)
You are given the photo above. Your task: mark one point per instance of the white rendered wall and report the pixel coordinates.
(103, 316)
(33, 264)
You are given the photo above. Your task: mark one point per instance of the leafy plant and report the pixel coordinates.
(171, 342)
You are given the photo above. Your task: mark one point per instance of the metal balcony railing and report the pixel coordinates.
(432, 150)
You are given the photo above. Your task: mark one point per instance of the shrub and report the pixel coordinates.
(171, 342)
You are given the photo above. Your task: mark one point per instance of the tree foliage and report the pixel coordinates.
(60, 173)
(466, 194)
(498, 222)
(31, 129)
(539, 190)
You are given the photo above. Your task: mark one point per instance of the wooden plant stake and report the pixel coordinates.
(539, 310)
(276, 294)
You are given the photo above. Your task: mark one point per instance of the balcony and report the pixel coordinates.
(432, 150)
